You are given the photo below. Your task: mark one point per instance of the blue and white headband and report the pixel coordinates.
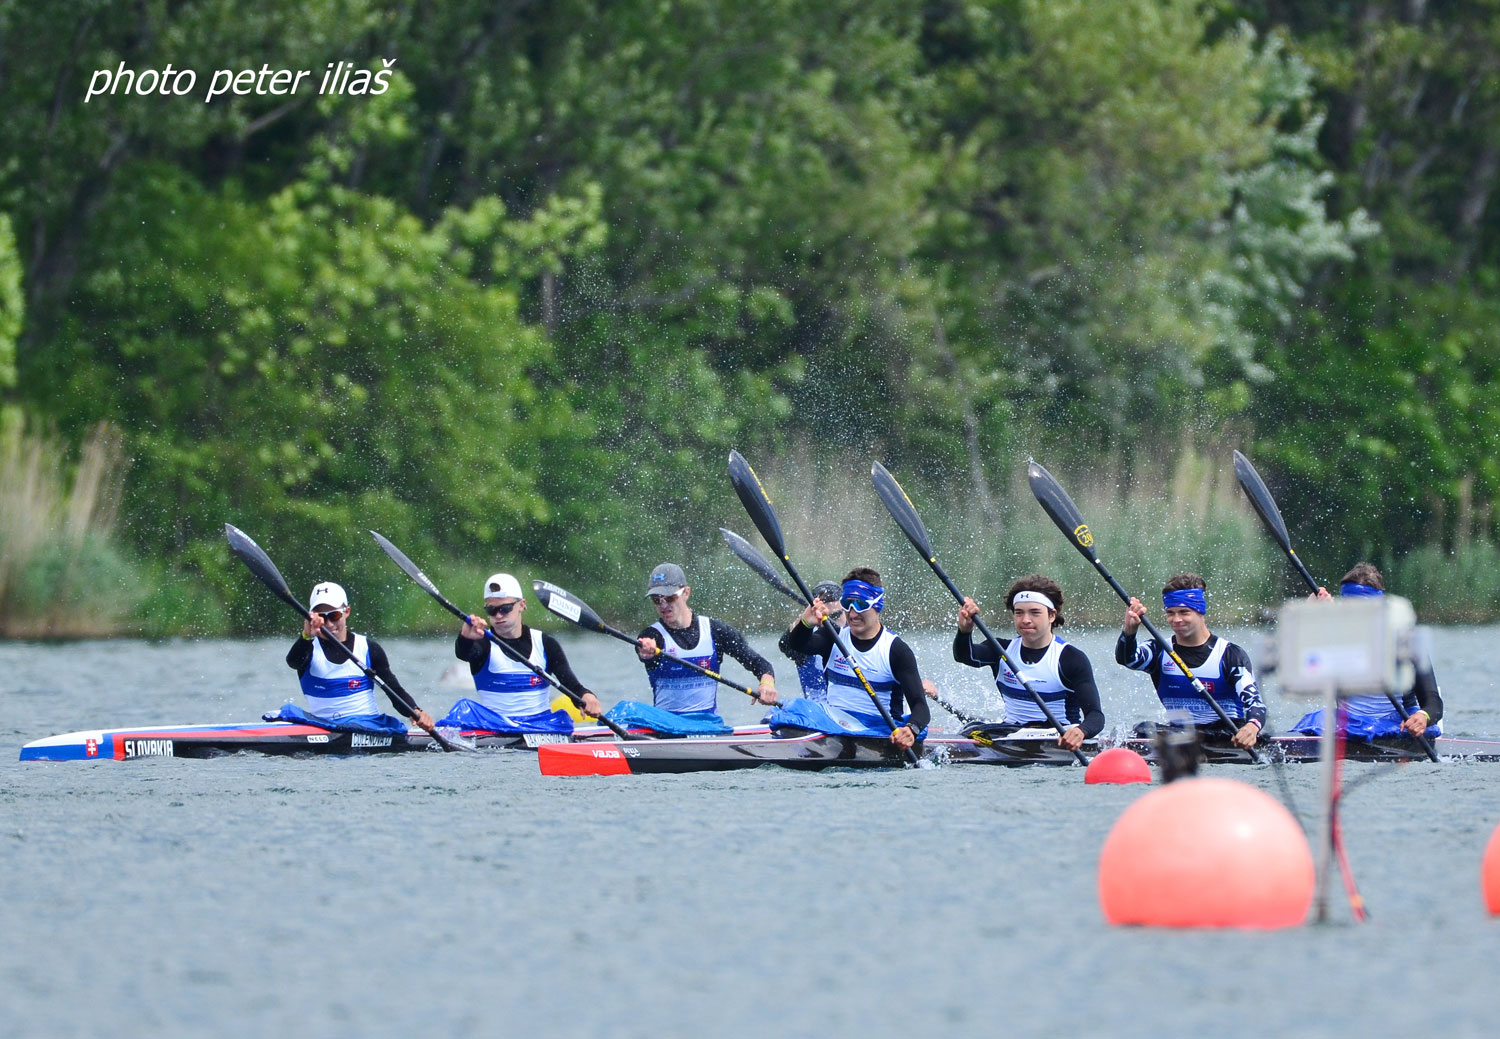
(1192, 598)
(1350, 588)
(872, 594)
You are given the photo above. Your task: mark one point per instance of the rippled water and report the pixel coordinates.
(468, 895)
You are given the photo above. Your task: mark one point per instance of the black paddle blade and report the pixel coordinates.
(1056, 504)
(1260, 496)
(569, 607)
(411, 569)
(757, 503)
(253, 556)
(759, 563)
(901, 510)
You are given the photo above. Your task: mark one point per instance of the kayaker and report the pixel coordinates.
(810, 668)
(1375, 715)
(1059, 672)
(502, 683)
(887, 662)
(335, 688)
(678, 632)
(1223, 667)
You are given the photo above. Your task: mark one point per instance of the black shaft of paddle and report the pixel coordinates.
(758, 507)
(1256, 490)
(618, 634)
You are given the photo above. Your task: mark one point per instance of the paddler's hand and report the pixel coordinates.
(474, 627)
(815, 614)
(1246, 737)
(591, 706)
(423, 720)
(930, 688)
(313, 625)
(1416, 723)
(904, 737)
(645, 647)
(966, 614)
(766, 692)
(1133, 614)
(1072, 739)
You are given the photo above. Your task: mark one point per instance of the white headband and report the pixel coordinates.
(1027, 595)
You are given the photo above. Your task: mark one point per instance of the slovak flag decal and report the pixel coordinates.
(91, 748)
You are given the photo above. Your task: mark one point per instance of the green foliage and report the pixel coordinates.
(12, 303)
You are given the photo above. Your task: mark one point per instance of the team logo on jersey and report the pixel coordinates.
(1083, 535)
(353, 683)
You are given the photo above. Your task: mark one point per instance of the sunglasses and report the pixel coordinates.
(502, 610)
(329, 616)
(854, 605)
(666, 599)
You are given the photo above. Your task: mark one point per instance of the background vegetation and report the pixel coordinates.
(515, 311)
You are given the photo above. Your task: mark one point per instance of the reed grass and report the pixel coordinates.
(61, 572)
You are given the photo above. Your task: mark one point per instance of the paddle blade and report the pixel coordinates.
(757, 503)
(411, 569)
(759, 563)
(569, 607)
(1056, 504)
(1260, 496)
(901, 510)
(253, 556)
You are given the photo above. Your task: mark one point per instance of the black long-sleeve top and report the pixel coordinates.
(477, 653)
(816, 642)
(1073, 667)
(299, 658)
(727, 639)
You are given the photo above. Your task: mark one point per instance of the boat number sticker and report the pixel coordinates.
(1085, 538)
(536, 739)
(563, 608)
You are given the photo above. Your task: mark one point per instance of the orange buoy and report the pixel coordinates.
(1489, 873)
(1117, 765)
(1206, 853)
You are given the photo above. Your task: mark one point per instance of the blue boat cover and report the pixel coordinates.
(634, 715)
(380, 724)
(1361, 727)
(471, 714)
(819, 717)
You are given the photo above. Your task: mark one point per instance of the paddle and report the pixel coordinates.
(1265, 507)
(425, 583)
(569, 607)
(905, 514)
(1057, 505)
(753, 496)
(757, 562)
(253, 556)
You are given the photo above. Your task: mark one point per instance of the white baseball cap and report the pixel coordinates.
(328, 594)
(502, 586)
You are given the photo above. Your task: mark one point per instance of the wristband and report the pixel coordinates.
(306, 637)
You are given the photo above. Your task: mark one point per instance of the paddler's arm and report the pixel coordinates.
(904, 668)
(403, 701)
(299, 657)
(1077, 674)
(1237, 666)
(808, 637)
(557, 663)
(732, 643)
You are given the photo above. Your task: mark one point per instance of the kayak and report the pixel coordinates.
(285, 738)
(815, 751)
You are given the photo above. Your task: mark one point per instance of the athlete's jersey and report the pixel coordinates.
(1221, 666)
(681, 689)
(335, 691)
(509, 687)
(846, 691)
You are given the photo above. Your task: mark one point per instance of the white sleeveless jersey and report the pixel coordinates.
(336, 691)
(846, 691)
(1044, 676)
(510, 687)
(681, 689)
